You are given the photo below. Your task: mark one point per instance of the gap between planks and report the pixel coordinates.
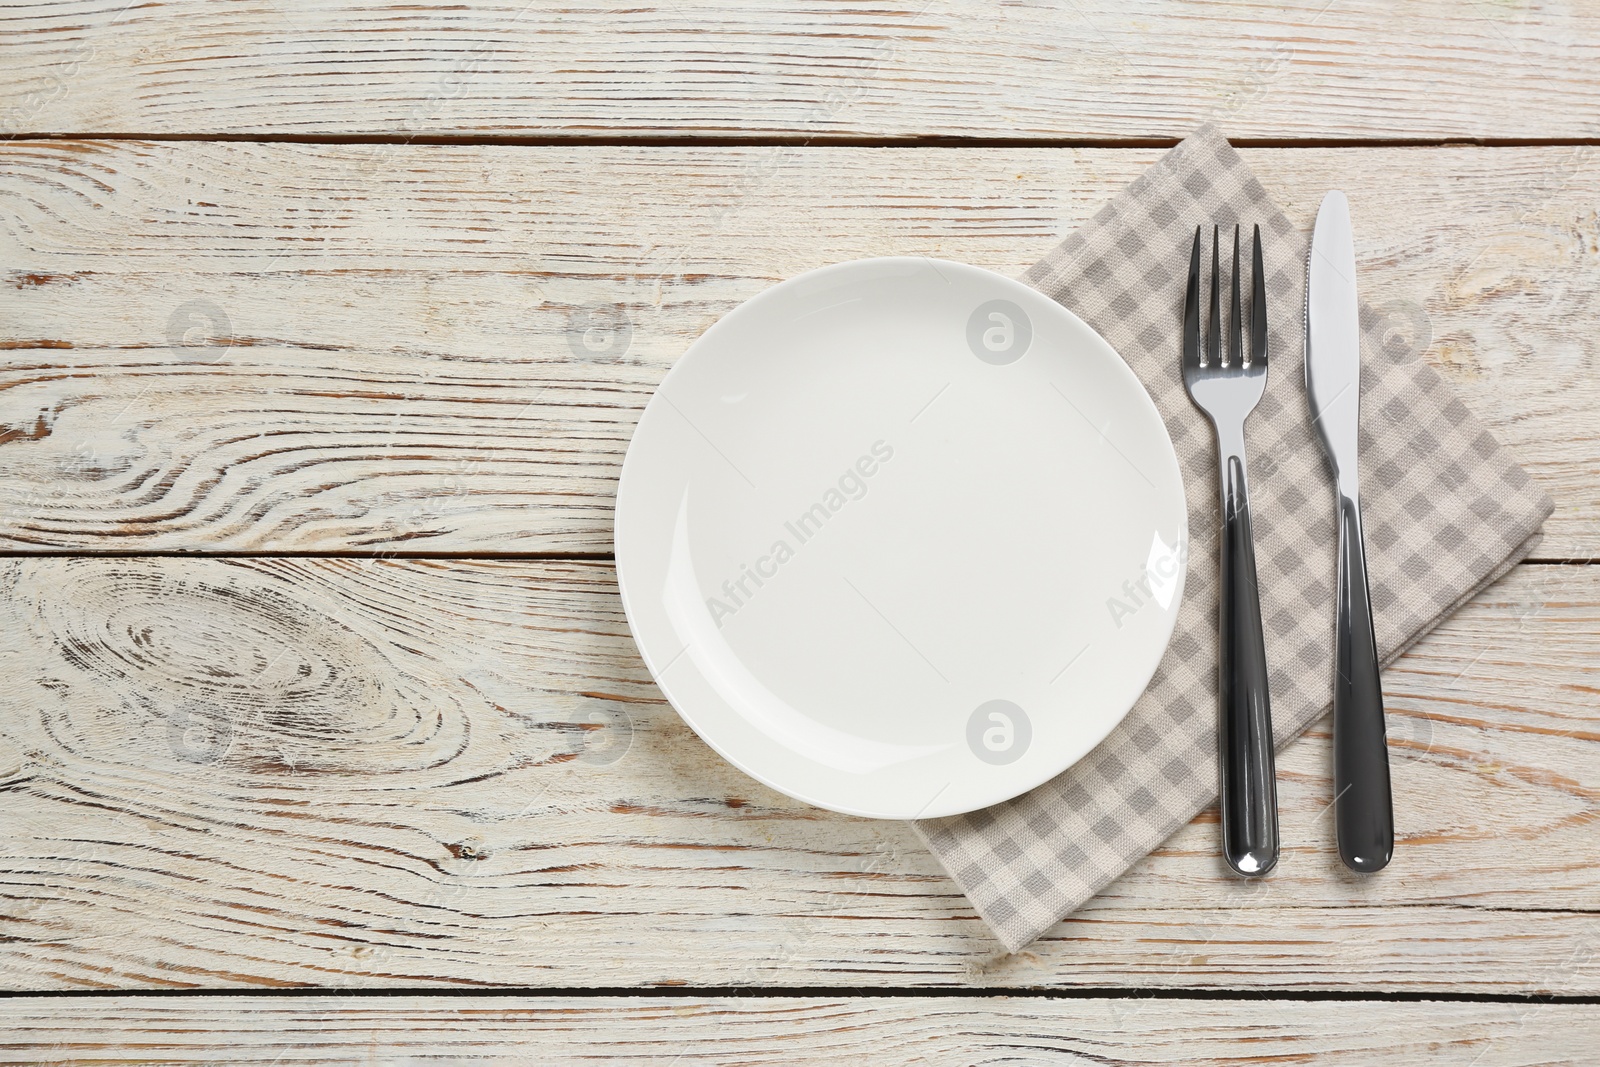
(689, 992)
(817, 141)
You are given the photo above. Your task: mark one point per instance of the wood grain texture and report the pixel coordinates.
(883, 68)
(931, 1031)
(381, 773)
(379, 348)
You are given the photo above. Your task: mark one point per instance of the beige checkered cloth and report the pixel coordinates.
(1447, 510)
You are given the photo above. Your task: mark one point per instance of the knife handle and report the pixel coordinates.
(1249, 790)
(1363, 806)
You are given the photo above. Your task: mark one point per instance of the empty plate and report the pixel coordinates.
(901, 537)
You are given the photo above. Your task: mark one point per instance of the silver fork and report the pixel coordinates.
(1227, 386)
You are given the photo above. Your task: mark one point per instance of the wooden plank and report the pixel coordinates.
(417, 351)
(884, 68)
(388, 773)
(936, 1031)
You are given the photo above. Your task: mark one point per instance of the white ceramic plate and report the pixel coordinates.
(901, 537)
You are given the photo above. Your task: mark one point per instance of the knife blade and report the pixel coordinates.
(1363, 806)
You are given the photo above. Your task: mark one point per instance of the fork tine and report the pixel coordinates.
(1214, 328)
(1258, 307)
(1236, 324)
(1191, 308)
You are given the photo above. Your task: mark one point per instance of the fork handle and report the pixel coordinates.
(1249, 790)
(1363, 806)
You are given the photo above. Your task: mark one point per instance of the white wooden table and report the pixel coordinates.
(322, 737)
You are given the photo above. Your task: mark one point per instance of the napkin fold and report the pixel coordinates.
(1447, 510)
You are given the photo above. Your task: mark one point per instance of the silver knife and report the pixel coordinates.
(1363, 808)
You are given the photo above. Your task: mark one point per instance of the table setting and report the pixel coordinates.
(1237, 657)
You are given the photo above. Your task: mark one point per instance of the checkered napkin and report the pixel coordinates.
(1446, 508)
